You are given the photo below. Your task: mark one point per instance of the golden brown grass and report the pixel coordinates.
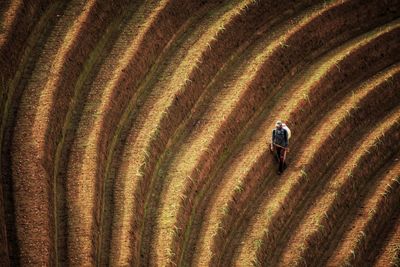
(239, 195)
(175, 84)
(375, 210)
(341, 190)
(112, 109)
(85, 154)
(305, 159)
(32, 193)
(8, 20)
(226, 103)
(390, 255)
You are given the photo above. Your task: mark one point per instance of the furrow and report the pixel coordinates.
(32, 206)
(215, 210)
(137, 132)
(18, 37)
(273, 217)
(261, 143)
(14, 89)
(212, 124)
(195, 119)
(8, 20)
(294, 193)
(372, 214)
(116, 83)
(48, 117)
(167, 212)
(323, 218)
(95, 124)
(111, 28)
(138, 219)
(150, 125)
(4, 250)
(251, 168)
(4, 247)
(16, 25)
(3, 8)
(390, 255)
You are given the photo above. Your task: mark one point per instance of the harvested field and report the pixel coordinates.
(137, 133)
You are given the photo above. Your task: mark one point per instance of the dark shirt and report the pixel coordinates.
(280, 137)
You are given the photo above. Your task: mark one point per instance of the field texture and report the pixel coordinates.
(136, 133)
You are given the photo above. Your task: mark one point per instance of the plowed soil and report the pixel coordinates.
(137, 133)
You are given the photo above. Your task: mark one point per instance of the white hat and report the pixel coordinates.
(278, 123)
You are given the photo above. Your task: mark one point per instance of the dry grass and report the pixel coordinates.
(293, 198)
(11, 88)
(374, 212)
(118, 94)
(53, 92)
(345, 188)
(123, 126)
(390, 255)
(309, 159)
(238, 198)
(40, 207)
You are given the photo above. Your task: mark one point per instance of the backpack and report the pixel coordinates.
(284, 126)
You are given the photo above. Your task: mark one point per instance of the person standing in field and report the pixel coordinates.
(280, 143)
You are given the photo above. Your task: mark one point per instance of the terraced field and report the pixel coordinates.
(137, 133)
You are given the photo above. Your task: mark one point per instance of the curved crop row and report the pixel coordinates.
(150, 123)
(208, 159)
(35, 215)
(345, 144)
(204, 254)
(137, 132)
(16, 24)
(374, 212)
(105, 92)
(367, 159)
(191, 158)
(124, 246)
(189, 123)
(126, 249)
(63, 57)
(267, 134)
(110, 94)
(245, 189)
(292, 193)
(201, 49)
(136, 211)
(391, 250)
(311, 165)
(92, 68)
(13, 88)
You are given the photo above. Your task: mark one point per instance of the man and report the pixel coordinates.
(280, 142)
